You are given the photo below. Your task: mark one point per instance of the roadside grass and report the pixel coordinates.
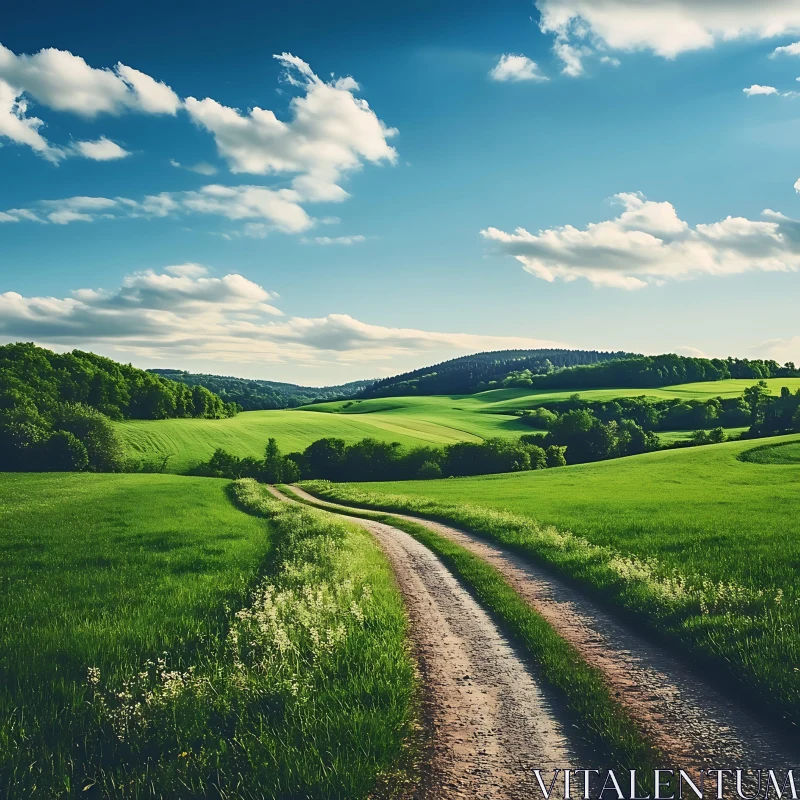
(127, 674)
(600, 722)
(696, 544)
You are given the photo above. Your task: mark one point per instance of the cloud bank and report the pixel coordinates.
(648, 243)
(586, 27)
(183, 312)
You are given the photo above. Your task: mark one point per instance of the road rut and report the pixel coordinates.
(691, 722)
(491, 724)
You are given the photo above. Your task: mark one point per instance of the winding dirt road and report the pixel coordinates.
(491, 723)
(692, 723)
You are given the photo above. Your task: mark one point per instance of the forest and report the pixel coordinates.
(642, 372)
(476, 373)
(259, 395)
(55, 408)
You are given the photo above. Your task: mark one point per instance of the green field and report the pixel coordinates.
(412, 421)
(699, 543)
(187, 442)
(106, 571)
(114, 572)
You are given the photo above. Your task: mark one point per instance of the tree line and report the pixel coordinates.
(55, 408)
(369, 459)
(595, 430)
(259, 395)
(481, 371)
(644, 372)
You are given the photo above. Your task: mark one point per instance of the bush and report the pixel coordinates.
(430, 470)
(555, 456)
(64, 452)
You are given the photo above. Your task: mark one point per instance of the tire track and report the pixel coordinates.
(693, 724)
(491, 724)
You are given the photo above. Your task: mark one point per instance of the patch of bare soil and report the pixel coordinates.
(491, 725)
(693, 723)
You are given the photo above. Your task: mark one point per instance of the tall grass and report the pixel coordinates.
(300, 686)
(698, 546)
(106, 571)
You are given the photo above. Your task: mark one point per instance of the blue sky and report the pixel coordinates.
(357, 249)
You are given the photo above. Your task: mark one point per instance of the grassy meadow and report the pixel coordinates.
(701, 544)
(125, 672)
(412, 421)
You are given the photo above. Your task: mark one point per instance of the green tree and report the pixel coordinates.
(273, 467)
(556, 456)
(756, 397)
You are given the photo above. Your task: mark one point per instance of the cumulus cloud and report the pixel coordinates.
(65, 82)
(330, 132)
(755, 89)
(787, 50)
(16, 125)
(101, 150)
(181, 311)
(667, 29)
(513, 67)
(649, 243)
(62, 81)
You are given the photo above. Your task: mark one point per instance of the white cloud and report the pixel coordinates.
(755, 89)
(692, 352)
(571, 57)
(182, 312)
(781, 350)
(665, 28)
(65, 82)
(101, 150)
(331, 132)
(201, 168)
(513, 67)
(787, 50)
(344, 240)
(649, 243)
(271, 209)
(17, 126)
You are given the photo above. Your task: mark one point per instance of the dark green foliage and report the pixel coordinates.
(481, 371)
(257, 395)
(370, 459)
(771, 415)
(64, 452)
(55, 408)
(642, 372)
(555, 456)
(648, 414)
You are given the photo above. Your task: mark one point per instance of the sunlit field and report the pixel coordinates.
(177, 445)
(700, 543)
(125, 670)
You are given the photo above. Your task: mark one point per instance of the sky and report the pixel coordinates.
(319, 192)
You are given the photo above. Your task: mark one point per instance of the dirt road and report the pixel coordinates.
(491, 724)
(693, 723)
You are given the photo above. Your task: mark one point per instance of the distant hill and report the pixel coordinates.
(481, 371)
(257, 395)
